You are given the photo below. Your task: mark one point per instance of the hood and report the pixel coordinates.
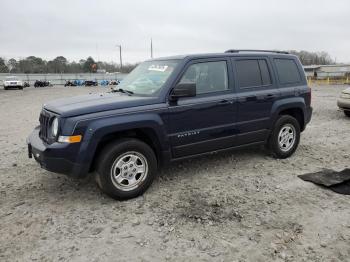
(346, 91)
(93, 103)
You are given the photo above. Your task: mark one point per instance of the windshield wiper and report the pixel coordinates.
(123, 91)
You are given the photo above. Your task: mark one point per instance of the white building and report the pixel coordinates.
(325, 71)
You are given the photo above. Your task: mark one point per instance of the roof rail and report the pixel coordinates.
(252, 50)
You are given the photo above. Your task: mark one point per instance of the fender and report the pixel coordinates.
(96, 129)
(286, 103)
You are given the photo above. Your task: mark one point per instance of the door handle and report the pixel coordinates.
(247, 99)
(225, 102)
(270, 96)
(251, 98)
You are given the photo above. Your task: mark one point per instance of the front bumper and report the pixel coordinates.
(13, 86)
(343, 103)
(54, 157)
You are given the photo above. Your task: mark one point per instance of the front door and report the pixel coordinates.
(205, 122)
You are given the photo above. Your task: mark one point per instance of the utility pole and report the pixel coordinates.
(97, 53)
(151, 49)
(120, 56)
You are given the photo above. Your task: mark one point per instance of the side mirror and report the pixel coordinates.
(183, 90)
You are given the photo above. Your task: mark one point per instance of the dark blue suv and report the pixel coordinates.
(174, 108)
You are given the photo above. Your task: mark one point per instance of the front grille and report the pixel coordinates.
(44, 120)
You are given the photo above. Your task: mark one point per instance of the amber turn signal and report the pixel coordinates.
(70, 139)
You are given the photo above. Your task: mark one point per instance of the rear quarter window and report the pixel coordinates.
(287, 71)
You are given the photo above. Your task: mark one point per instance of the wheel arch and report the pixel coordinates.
(297, 113)
(294, 107)
(144, 134)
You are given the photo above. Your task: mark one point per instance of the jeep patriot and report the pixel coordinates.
(173, 108)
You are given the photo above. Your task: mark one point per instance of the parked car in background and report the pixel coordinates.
(114, 82)
(13, 82)
(70, 83)
(104, 83)
(91, 83)
(168, 109)
(42, 83)
(78, 82)
(344, 101)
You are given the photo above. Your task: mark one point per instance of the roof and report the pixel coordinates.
(205, 55)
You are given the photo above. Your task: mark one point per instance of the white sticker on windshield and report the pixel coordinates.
(159, 68)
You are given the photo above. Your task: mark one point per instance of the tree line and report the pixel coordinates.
(59, 65)
(313, 58)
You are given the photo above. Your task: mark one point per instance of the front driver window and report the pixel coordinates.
(208, 77)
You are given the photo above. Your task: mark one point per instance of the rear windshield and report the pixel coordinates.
(287, 71)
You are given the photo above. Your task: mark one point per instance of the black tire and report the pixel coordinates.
(6, 88)
(109, 158)
(347, 113)
(21, 88)
(286, 123)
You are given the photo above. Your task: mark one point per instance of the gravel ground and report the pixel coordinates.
(237, 206)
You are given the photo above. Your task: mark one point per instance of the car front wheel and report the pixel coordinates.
(347, 113)
(126, 168)
(285, 137)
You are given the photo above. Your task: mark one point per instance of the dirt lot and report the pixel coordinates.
(237, 206)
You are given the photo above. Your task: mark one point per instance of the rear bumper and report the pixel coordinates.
(51, 157)
(308, 115)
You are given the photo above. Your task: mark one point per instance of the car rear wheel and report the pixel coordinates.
(126, 168)
(347, 113)
(285, 137)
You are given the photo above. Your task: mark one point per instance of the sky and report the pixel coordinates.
(77, 29)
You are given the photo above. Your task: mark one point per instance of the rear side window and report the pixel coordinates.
(287, 71)
(252, 73)
(265, 74)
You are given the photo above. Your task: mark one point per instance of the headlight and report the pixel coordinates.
(54, 127)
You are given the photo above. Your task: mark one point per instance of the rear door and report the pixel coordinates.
(256, 93)
(205, 122)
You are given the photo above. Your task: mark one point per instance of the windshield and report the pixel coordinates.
(148, 77)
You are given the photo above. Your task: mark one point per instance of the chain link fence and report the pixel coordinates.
(60, 79)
